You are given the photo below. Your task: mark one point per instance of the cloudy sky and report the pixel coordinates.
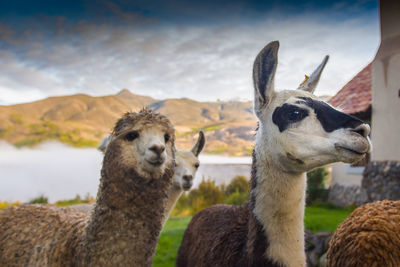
(202, 50)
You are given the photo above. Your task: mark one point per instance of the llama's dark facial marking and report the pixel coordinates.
(330, 118)
(288, 114)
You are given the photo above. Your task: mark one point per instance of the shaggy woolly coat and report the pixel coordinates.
(370, 236)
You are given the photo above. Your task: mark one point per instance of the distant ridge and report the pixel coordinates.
(82, 120)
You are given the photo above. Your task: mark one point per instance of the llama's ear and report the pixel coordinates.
(310, 83)
(264, 69)
(104, 143)
(198, 147)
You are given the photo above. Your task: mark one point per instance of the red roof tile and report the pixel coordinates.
(355, 96)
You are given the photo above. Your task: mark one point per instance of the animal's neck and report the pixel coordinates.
(278, 200)
(174, 194)
(127, 220)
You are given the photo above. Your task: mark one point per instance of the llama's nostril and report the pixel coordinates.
(157, 149)
(362, 130)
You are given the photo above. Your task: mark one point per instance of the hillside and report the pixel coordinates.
(82, 120)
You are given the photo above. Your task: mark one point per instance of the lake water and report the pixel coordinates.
(60, 172)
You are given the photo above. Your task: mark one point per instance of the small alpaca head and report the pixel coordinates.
(142, 142)
(187, 163)
(299, 131)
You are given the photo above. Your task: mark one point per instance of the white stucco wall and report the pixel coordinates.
(386, 86)
(343, 173)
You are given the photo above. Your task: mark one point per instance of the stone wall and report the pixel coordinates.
(347, 195)
(382, 180)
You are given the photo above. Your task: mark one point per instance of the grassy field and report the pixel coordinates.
(317, 219)
(169, 242)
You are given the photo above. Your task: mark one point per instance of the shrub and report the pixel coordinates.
(236, 198)
(316, 186)
(4, 204)
(207, 194)
(238, 184)
(76, 200)
(39, 200)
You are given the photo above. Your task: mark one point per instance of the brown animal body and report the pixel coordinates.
(124, 227)
(369, 236)
(29, 238)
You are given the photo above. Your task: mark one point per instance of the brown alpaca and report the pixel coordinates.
(370, 236)
(296, 133)
(124, 227)
(186, 165)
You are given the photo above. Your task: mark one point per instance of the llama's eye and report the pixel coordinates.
(131, 136)
(295, 115)
(167, 137)
(196, 165)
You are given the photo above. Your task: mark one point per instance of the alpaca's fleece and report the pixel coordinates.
(55, 231)
(123, 228)
(370, 236)
(142, 118)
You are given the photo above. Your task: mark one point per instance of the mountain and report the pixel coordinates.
(82, 120)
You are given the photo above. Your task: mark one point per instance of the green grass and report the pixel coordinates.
(317, 219)
(320, 219)
(169, 242)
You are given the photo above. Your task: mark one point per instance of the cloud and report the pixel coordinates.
(202, 62)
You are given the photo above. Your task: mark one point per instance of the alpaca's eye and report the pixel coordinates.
(131, 136)
(196, 165)
(167, 137)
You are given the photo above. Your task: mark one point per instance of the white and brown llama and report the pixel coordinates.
(124, 227)
(186, 165)
(296, 133)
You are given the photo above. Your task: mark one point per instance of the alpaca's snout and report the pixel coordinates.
(187, 178)
(158, 149)
(186, 185)
(156, 154)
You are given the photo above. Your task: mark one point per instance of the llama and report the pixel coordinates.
(369, 236)
(296, 133)
(124, 227)
(186, 165)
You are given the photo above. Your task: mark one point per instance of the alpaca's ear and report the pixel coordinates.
(264, 69)
(198, 147)
(104, 143)
(311, 83)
